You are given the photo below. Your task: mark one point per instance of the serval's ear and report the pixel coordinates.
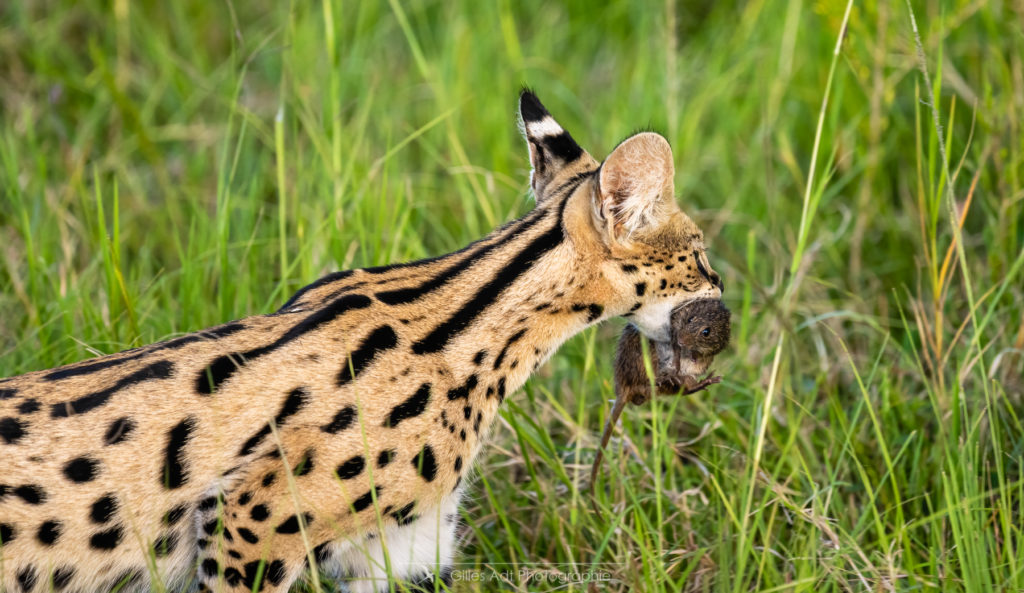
(636, 185)
(551, 147)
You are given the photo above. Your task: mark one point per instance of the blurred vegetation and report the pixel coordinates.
(168, 166)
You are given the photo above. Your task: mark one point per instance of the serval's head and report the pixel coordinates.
(623, 216)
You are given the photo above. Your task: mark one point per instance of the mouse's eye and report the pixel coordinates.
(705, 332)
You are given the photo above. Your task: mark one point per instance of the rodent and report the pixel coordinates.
(700, 330)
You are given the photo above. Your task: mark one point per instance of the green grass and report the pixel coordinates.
(168, 166)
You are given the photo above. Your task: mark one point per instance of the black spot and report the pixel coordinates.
(425, 463)
(106, 540)
(594, 311)
(232, 576)
(30, 493)
(385, 457)
(305, 465)
(365, 500)
(512, 340)
(118, 431)
(463, 391)
(27, 578)
(381, 339)
(269, 478)
(165, 544)
(254, 441)
(209, 502)
(81, 469)
(28, 406)
(173, 473)
(291, 524)
(342, 420)
(62, 576)
(244, 498)
(103, 509)
(218, 371)
(351, 468)
(334, 277)
(437, 339)
(682, 258)
(636, 306)
(275, 572)
(162, 369)
(664, 283)
(259, 512)
(404, 515)
(6, 533)
(467, 412)
(175, 514)
(479, 357)
(641, 288)
(247, 535)
(11, 430)
(296, 400)
(458, 463)
(235, 554)
(462, 434)
(501, 389)
(410, 408)
(211, 567)
(49, 532)
(629, 268)
(213, 526)
(7, 393)
(323, 553)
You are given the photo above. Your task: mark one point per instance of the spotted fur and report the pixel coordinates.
(339, 429)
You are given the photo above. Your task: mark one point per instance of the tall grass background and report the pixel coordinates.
(857, 169)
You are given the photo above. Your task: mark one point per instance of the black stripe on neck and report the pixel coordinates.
(485, 297)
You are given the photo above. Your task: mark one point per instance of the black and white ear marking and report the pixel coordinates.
(551, 147)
